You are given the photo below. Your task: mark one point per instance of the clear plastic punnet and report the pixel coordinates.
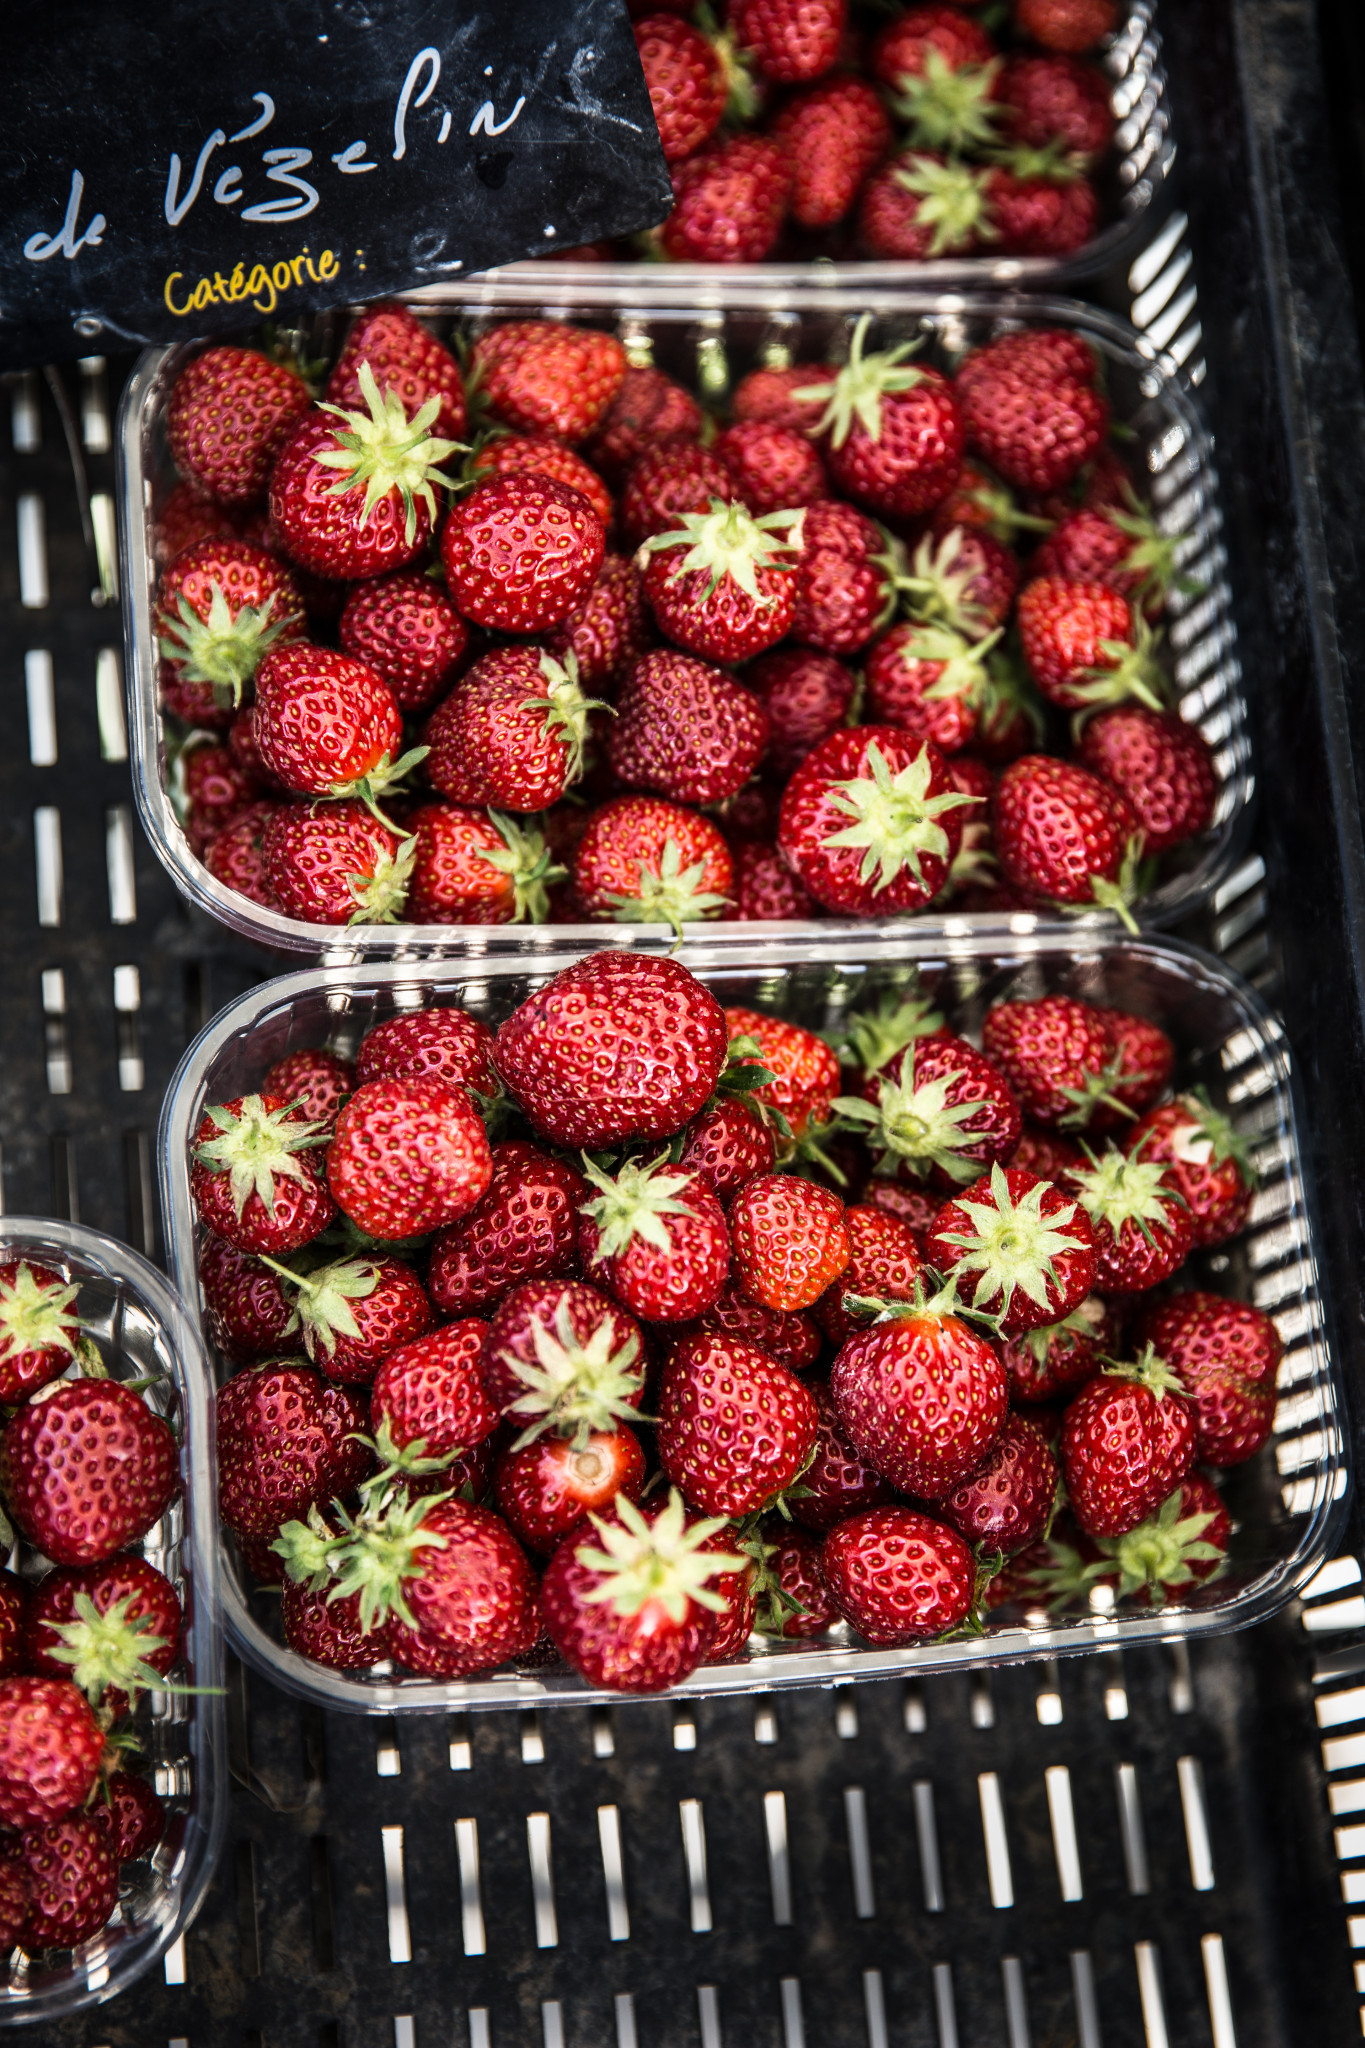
(1285, 1504)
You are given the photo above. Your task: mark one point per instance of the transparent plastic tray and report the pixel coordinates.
(145, 1333)
(1284, 1503)
(710, 350)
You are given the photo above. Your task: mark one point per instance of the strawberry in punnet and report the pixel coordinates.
(1034, 423)
(1059, 354)
(1041, 203)
(920, 205)
(528, 455)
(38, 1327)
(806, 696)
(352, 1313)
(85, 1468)
(921, 1398)
(722, 583)
(404, 359)
(630, 1601)
(845, 579)
(905, 47)
(230, 411)
(1226, 1356)
(429, 1398)
(1141, 1224)
(765, 888)
(328, 1631)
(525, 1226)
(795, 1601)
(473, 866)
(256, 1178)
(729, 202)
(247, 1313)
(1031, 1249)
(1059, 1357)
(870, 821)
(1083, 646)
(221, 607)
(1007, 1502)
(407, 1157)
(50, 1748)
(447, 1043)
(546, 1488)
(893, 433)
(684, 728)
(898, 1577)
(1063, 835)
(642, 861)
(186, 516)
(735, 1426)
(772, 466)
(1055, 99)
(283, 1443)
(405, 628)
(928, 681)
(963, 578)
(789, 40)
(217, 789)
(352, 495)
(1184, 1544)
(665, 484)
(326, 725)
(686, 83)
(112, 1628)
(1061, 1060)
(1206, 1161)
(72, 1877)
(788, 1335)
(1163, 765)
(560, 1355)
(315, 1080)
(836, 1483)
(511, 733)
(805, 1072)
(730, 1144)
(936, 1109)
(546, 377)
(607, 629)
(885, 1265)
(913, 1206)
(133, 1819)
(1071, 25)
(870, 1039)
(619, 1045)
(789, 1240)
(772, 392)
(520, 552)
(1121, 545)
(335, 863)
(649, 411)
(654, 1237)
(1143, 1058)
(834, 133)
(1127, 1439)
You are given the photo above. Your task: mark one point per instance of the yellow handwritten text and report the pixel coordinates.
(260, 286)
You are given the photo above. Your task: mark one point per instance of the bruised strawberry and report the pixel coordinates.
(735, 1427)
(897, 1576)
(525, 1227)
(834, 133)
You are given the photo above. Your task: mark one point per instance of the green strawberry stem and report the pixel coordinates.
(1050, 164)
(1119, 1188)
(895, 820)
(525, 859)
(1131, 673)
(566, 709)
(862, 383)
(1011, 1246)
(660, 1563)
(1163, 1550)
(322, 1300)
(1119, 896)
(226, 649)
(1097, 1089)
(380, 897)
(372, 1554)
(963, 670)
(914, 1122)
(669, 894)
(947, 107)
(384, 451)
(1222, 1141)
(35, 1315)
(936, 594)
(1147, 1370)
(745, 1072)
(576, 1388)
(109, 1650)
(952, 201)
(385, 775)
(1154, 556)
(728, 541)
(871, 1038)
(257, 1147)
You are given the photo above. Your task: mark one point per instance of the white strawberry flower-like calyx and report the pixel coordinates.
(634, 1203)
(321, 1300)
(577, 1386)
(895, 820)
(566, 708)
(258, 1146)
(1120, 1188)
(661, 1562)
(860, 386)
(386, 451)
(1012, 1246)
(915, 1122)
(36, 1315)
(228, 647)
(729, 541)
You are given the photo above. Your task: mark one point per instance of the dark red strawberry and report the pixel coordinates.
(1056, 100)
(85, 1468)
(1048, 1155)
(834, 133)
(1007, 1502)
(1071, 25)
(1143, 1057)
(921, 1398)
(112, 1628)
(796, 1602)
(50, 1748)
(1060, 1058)
(235, 858)
(408, 1156)
(1162, 764)
(1182, 1545)
(314, 1080)
(72, 1876)
(1206, 1161)
(131, 1815)
(1041, 203)
(431, 1393)
(532, 455)
(836, 1483)
(789, 1240)
(255, 1179)
(922, 205)
(559, 1355)
(870, 821)
(1119, 544)
(525, 1227)
(787, 1335)
(893, 432)
(903, 47)
(1030, 1250)
(845, 589)
(247, 1314)
(1063, 835)
(354, 1312)
(1059, 1357)
(229, 413)
(685, 728)
(38, 1326)
(406, 629)
(643, 861)
(1083, 647)
(448, 1582)
(1226, 1356)
(772, 466)
(648, 412)
(521, 552)
(1128, 1438)
(654, 1237)
(221, 607)
(477, 867)
(1141, 1224)
(1033, 424)
(405, 359)
(329, 1631)
(885, 1264)
(283, 1444)
(186, 515)
(722, 583)
(548, 377)
(326, 725)
(546, 1488)
(511, 732)
(929, 682)
(730, 1144)
(738, 1591)
(335, 863)
(772, 393)
(765, 888)
(789, 40)
(217, 789)
(735, 1426)
(897, 1576)
(665, 484)
(729, 202)
(445, 1043)
(607, 629)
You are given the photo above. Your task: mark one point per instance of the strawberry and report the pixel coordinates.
(229, 413)
(1061, 1059)
(1141, 1225)
(282, 1444)
(607, 629)
(615, 1046)
(717, 583)
(772, 465)
(1143, 1058)
(1055, 99)
(546, 1488)
(315, 1081)
(893, 433)
(1062, 834)
(50, 1748)
(896, 1576)
(1033, 1251)
(1206, 1161)
(1185, 1543)
(529, 455)
(869, 821)
(405, 628)
(217, 789)
(641, 861)
(655, 1238)
(885, 1263)
(963, 578)
(730, 1145)
(834, 133)
(520, 552)
(798, 1602)
(913, 1206)
(926, 1364)
(408, 1156)
(845, 588)
(511, 732)
(234, 856)
(787, 1335)
(476, 867)
(546, 377)
(1040, 203)
(1161, 764)
(735, 1426)
(247, 1313)
(353, 1312)
(112, 1628)
(1034, 424)
(1127, 1439)
(525, 1226)
(133, 1820)
(446, 1043)
(335, 863)
(649, 411)
(789, 1240)
(1083, 647)
(85, 1468)
(1071, 25)
(1226, 1356)
(629, 1599)
(1059, 1357)
(1006, 1503)
(666, 484)
(685, 728)
(729, 202)
(936, 1109)
(325, 724)
(789, 40)
(922, 205)
(38, 1326)
(429, 1397)
(764, 888)
(72, 1877)
(404, 359)
(185, 515)
(329, 1631)
(773, 392)
(561, 1355)
(836, 1483)
(930, 682)
(980, 503)
(902, 48)
(805, 1072)
(1120, 544)
(220, 607)
(686, 83)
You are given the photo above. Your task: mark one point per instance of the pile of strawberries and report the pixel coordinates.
(597, 659)
(811, 128)
(642, 1323)
(86, 1468)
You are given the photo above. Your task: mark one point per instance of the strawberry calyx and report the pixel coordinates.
(381, 895)
(871, 1038)
(566, 708)
(109, 1649)
(742, 105)
(1084, 1321)
(385, 451)
(915, 1122)
(36, 1315)
(1163, 1550)
(952, 201)
(947, 107)
(744, 1074)
(322, 1300)
(935, 594)
(1004, 519)
(669, 894)
(1007, 694)
(1154, 555)
(1097, 1089)
(860, 386)
(1013, 1247)
(895, 820)
(576, 1387)
(1120, 1188)
(728, 541)
(1146, 1370)
(774, 1606)
(408, 1461)
(370, 1554)
(1216, 1142)
(1120, 896)
(933, 1295)
(526, 860)
(962, 670)
(634, 1204)
(1130, 673)
(256, 1147)
(1051, 163)
(227, 648)
(656, 1564)
(384, 776)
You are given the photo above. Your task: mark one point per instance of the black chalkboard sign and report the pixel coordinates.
(195, 165)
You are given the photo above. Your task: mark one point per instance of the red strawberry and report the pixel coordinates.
(787, 1335)
(844, 579)
(655, 1238)
(1183, 1544)
(408, 1156)
(429, 1397)
(1128, 1438)
(329, 1631)
(521, 552)
(805, 1071)
(1062, 834)
(511, 732)
(38, 1326)
(898, 1577)
(314, 1080)
(546, 1488)
(546, 377)
(221, 606)
(798, 1602)
(1143, 1057)
(1141, 1224)
(915, 1206)
(50, 1749)
(1041, 203)
(1072, 25)
(1007, 1502)
(1206, 1161)
(1083, 647)
(217, 789)
(1163, 766)
(112, 1628)
(354, 1312)
(922, 205)
(1119, 544)
(1032, 1250)
(937, 1108)
(834, 133)
(529, 455)
(729, 202)
(445, 1043)
(13, 1606)
(1056, 99)
(930, 682)
(684, 728)
(735, 1426)
(1060, 1058)
(525, 1226)
(133, 1820)
(730, 1145)
(789, 1240)
(686, 82)
(665, 484)
(921, 1398)
(404, 359)
(15, 1894)
(247, 1313)
(326, 725)
(335, 863)
(1052, 354)
(642, 861)
(450, 1584)
(902, 49)
(1059, 1357)
(476, 867)
(773, 393)
(870, 821)
(1032, 423)
(963, 578)
(718, 584)
(185, 515)
(283, 1444)
(615, 1046)
(764, 887)
(85, 1468)
(405, 628)
(607, 629)
(648, 411)
(1226, 1356)
(560, 1355)
(885, 1265)
(893, 432)
(235, 858)
(772, 465)
(836, 1483)
(229, 412)
(73, 1881)
(789, 40)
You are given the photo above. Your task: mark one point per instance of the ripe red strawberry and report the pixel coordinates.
(915, 1206)
(893, 432)
(845, 589)
(898, 1577)
(50, 1749)
(1062, 834)
(282, 1444)
(1185, 1543)
(531, 455)
(408, 1156)
(256, 1179)
(836, 1483)
(1127, 1439)
(654, 1237)
(686, 82)
(735, 1426)
(451, 1586)
(546, 377)
(405, 359)
(685, 728)
(729, 202)
(963, 578)
(511, 732)
(38, 1326)
(217, 789)
(1143, 1057)
(884, 1265)
(1120, 544)
(1034, 424)
(405, 628)
(328, 1631)
(112, 1628)
(1055, 99)
(1083, 647)
(642, 861)
(525, 1226)
(924, 205)
(1141, 1225)
(335, 863)
(185, 515)
(730, 1145)
(1040, 203)
(607, 629)
(447, 1043)
(795, 1601)
(666, 484)
(85, 1468)
(1061, 1059)
(1059, 1357)
(429, 1397)
(1226, 1356)
(353, 1312)
(764, 888)
(789, 40)
(805, 1070)
(772, 466)
(902, 49)
(773, 393)
(936, 1109)
(1006, 1503)
(325, 724)
(789, 1336)
(930, 682)
(13, 1606)
(1031, 1249)
(834, 133)
(789, 1240)
(315, 1080)
(630, 1600)
(229, 413)
(618, 1045)
(560, 1355)
(131, 1816)
(476, 867)
(870, 821)
(546, 1488)
(247, 1313)
(649, 411)
(72, 1878)
(722, 583)
(1163, 766)
(220, 607)
(1071, 25)
(520, 552)
(235, 858)
(1206, 1161)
